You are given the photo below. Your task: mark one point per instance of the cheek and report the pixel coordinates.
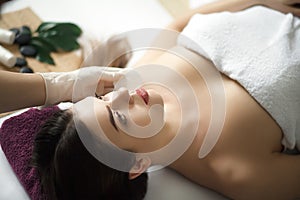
(113, 136)
(140, 116)
(106, 128)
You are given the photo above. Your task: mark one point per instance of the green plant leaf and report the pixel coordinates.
(45, 58)
(43, 50)
(59, 28)
(55, 36)
(40, 42)
(45, 26)
(63, 43)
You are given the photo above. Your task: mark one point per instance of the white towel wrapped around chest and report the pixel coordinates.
(259, 48)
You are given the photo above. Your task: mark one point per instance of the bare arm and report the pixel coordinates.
(27, 90)
(289, 2)
(222, 5)
(233, 6)
(179, 23)
(20, 91)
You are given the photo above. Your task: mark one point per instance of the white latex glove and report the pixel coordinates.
(76, 85)
(111, 52)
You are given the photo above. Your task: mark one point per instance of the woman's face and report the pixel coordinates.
(135, 105)
(120, 111)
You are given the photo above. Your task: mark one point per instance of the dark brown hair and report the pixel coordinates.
(2, 2)
(69, 172)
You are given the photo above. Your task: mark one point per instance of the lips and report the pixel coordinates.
(143, 94)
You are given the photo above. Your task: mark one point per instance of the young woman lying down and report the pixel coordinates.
(221, 107)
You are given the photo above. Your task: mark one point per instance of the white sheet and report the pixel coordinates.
(102, 18)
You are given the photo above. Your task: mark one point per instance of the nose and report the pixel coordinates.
(120, 97)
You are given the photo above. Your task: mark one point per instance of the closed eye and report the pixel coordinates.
(121, 117)
(111, 118)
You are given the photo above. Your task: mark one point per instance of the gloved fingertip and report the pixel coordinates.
(118, 75)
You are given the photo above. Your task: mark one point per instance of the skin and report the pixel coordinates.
(245, 163)
(20, 91)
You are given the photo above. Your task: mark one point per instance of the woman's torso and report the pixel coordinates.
(249, 133)
(258, 48)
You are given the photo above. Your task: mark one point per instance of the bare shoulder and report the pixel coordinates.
(244, 153)
(248, 127)
(246, 163)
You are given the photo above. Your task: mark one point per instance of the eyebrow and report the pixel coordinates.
(111, 118)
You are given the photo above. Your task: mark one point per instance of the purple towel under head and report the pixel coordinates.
(16, 137)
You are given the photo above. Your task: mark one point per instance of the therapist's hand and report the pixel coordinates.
(113, 52)
(76, 85)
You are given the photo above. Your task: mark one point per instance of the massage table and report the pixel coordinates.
(101, 19)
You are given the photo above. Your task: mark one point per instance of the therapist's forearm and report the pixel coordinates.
(20, 91)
